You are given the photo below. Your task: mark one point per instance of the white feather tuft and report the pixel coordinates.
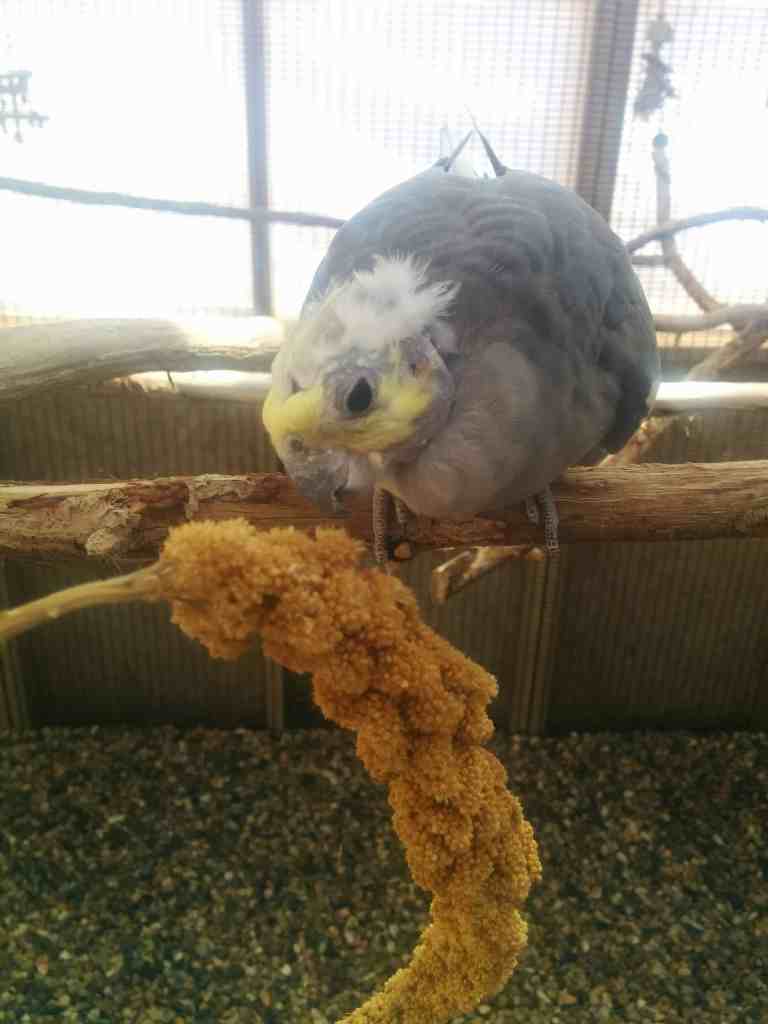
(390, 302)
(374, 308)
(366, 314)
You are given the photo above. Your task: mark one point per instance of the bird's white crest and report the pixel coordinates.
(389, 302)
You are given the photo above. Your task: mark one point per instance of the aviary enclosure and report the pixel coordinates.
(248, 773)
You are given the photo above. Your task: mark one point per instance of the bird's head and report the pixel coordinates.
(364, 374)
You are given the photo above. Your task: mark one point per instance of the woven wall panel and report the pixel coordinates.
(662, 636)
(80, 437)
(112, 663)
(127, 663)
(485, 621)
(667, 635)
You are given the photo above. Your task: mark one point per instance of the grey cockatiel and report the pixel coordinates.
(464, 341)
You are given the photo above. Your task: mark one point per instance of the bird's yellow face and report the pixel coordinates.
(361, 376)
(365, 411)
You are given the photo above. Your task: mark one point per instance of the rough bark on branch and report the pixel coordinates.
(35, 357)
(130, 519)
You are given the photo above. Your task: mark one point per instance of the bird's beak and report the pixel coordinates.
(321, 476)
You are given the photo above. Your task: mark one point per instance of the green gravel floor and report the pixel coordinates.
(163, 876)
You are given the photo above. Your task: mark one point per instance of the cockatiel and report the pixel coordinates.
(464, 341)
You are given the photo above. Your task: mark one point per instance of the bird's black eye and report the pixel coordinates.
(296, 445)
(359, 398)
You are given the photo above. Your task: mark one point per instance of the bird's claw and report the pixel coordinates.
(544, 503)
(381, 535)
(402, 512)
(532, 511)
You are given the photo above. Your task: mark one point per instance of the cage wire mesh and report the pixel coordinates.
(358, 95)
(143, 98)
(717, 126)
(150, 99)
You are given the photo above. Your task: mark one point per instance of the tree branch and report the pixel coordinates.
(453, 575)
(130, 519)
(672, 258)
(224, 385)
(697, 220)
(735, 351)
(656, 260)
(752, 327)
(739, 314)
(193, 208)
(35, 357)
(728, 355)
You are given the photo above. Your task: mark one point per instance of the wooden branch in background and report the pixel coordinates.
(672, 258)
(733, 352)
(750, 321)
(118, 357)
(39, 356)
(198, 209)
(189, 207)
(130, 519)
(698, 220)
(454, 575)
(641, 260)
(651, 429)
(743, 313)
(219, 385)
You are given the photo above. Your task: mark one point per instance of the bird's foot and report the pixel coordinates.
(543, 504)
(381, 535)
(402, 512)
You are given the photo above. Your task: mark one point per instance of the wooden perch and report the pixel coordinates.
(130, 519)
(39, 356)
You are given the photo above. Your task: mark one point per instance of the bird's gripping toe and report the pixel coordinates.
(543, 504)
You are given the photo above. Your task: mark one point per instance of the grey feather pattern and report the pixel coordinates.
(557, 349)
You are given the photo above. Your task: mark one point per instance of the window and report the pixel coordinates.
(149, 98)
(145, 98)
(718, 148)
(358, 94)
